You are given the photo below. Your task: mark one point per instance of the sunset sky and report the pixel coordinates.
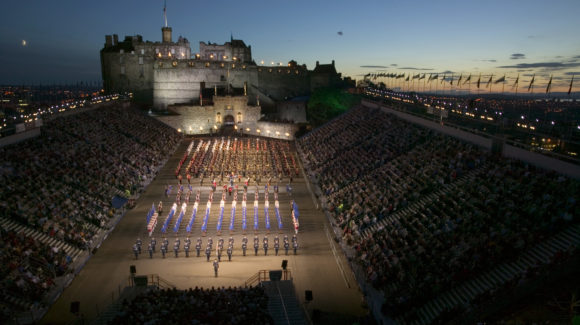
(59, 41)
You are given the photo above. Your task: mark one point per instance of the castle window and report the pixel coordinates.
(141, 72)
(191, 64)
(222, 65)
(156, 51)
(239, 117)
(142, 51)
(121, 59)
(160, 64)
(123, 70)
(174, 63)
(172, 51)
(121, 51)
(207, 64)
(219, 117)
(140, 60)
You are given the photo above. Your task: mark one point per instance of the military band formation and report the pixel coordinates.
(230, 164)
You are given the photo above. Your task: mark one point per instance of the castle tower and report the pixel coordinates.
(166, 31)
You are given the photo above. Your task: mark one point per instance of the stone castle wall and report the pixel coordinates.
(177, 82)
(292, 111)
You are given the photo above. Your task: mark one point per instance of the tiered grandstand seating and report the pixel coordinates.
(57, 190)
(437, 223)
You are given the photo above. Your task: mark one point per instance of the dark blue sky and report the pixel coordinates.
(500, 37)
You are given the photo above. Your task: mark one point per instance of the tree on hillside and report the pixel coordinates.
(327, 103)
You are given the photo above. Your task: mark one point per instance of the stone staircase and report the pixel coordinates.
(283, 304)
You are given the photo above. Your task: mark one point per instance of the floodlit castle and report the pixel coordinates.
(166, 73)
(219, 85)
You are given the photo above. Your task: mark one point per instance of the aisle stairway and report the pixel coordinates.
(283, 305)
(72, 251)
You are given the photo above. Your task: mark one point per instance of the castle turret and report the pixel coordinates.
(166, 34)
(108, 40)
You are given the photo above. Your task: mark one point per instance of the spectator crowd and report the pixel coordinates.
(197, 306)
(426, 212)
(61, 184)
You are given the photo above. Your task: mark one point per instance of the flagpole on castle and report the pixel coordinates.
(165, 12)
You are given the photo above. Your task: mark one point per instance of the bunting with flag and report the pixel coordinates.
(570, 89)
(502, 79)
(489, 82)
(549, 85)
(468, 79)
(443, 79)
(408, 77)
(516, 84)
(479, 81)
(422, 77)
(459, 80)
(532, 82)
(416, 76)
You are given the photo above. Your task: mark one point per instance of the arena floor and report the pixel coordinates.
(319, 265)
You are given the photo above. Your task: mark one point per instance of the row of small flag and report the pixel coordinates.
(459, 80)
